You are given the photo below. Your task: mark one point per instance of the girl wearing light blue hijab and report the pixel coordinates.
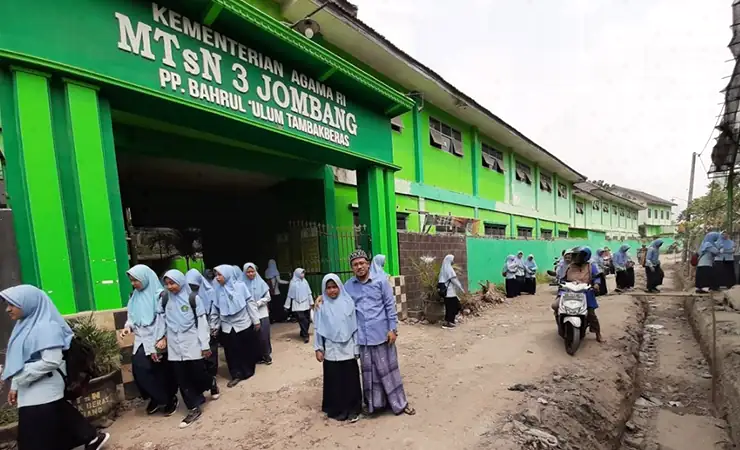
(35, 362)
(261, 295)
(236, 313)
(300, 301)
(653, 271)
(336, 347)
(188, 343)
(726, 261)
(207, 293)
(452, 288)
(707, 276)
(152, 373)
(624, 268)
(377, 268)
(530, 275)
(598, 261)
(509, 271)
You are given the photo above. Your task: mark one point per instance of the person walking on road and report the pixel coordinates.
(653, 271)
(300, 301)
(707, 273)
(451, 288)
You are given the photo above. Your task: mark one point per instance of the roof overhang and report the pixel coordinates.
(598, 192)
(352, 35)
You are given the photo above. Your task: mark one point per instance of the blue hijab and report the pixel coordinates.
(335, 319)
(40, 328)
(653, 254)
(206, 292)
(239, 274)
(179, 316)
(530, 264)
(142, 305)
(711, 239)
(620, 258)
(377, 270)
(257, 287)
(230, 299)
(299, 288)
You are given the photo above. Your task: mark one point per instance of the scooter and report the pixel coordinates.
(572, 314)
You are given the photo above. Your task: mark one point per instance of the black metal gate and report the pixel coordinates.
(320, 248)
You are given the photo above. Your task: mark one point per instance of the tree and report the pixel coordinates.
(707, 213)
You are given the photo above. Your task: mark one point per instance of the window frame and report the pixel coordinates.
(404, 217)
(494, 226)
(562, 235)
(547, 182)
(580, 207)
(492, 159)
(523, 173)
(596, 205)
(451, 142)
(520, 228)
(564, 188)
(649, 217)
(544, 231)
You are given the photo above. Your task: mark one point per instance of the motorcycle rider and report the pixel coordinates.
(580, 270)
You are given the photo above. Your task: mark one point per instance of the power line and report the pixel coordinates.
(712, 132)
(702, 164)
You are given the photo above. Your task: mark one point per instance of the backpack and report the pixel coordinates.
(165, 298)
(694, 259)
(80, 359)
(442, 289)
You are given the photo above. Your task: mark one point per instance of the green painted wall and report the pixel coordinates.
(523, 194)
(403, 148)
(564, 206)
(441, 208)
(493, 217)
(410, 205)
(486, 256)
(492, 184)
(443, 169)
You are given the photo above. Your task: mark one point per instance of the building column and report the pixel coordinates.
(33, 185)
(419, 138)
(392, 265)
(86, 159)
(329, 241)
(371, 199)
(475, 153)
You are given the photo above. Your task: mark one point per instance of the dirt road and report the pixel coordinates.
(458, 381)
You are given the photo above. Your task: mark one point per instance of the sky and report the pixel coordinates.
(621, 90)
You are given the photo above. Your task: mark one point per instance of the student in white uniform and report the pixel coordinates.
(152, 373)
(187, 342)
(35, 362)
(453, 289)
(300, 301)
(236, 314)
(205, 290)
(261, 295)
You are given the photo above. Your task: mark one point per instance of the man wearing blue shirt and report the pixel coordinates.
(376, 335)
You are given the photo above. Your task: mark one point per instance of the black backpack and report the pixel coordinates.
(442, 289)
(191, 298)
(80, 359)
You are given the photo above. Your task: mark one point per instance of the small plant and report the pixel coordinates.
(542, 278)
(428, 270)
(103, 343)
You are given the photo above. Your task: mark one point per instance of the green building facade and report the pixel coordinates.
(220, 115)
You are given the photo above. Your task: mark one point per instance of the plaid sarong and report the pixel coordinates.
(381, 378)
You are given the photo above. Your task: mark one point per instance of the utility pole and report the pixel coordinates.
(730, 196)
(688, 213)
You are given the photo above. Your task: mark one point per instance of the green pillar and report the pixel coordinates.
(85, 186)
(330, 257)
(33, 185)
(475, 153)
(536, 188)
(371, 199)
(114, 198)
(392, 265)
(537, 230)
(510, 172)
(512, 231)
(419, 138)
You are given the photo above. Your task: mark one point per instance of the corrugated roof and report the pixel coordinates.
(649, 198)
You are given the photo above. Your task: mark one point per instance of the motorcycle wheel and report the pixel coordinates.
(572, 339)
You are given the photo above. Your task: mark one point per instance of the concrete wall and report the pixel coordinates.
(413, 246)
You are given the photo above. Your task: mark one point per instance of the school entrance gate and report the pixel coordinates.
(189, 114)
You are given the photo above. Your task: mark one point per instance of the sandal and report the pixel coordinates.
(409, 411)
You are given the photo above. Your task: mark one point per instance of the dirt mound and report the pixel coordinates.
(577, 407)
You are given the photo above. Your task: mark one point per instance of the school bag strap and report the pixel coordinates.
(165, 297)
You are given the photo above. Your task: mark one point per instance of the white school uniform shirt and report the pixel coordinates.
(187, 345)
(238, 322)
(33, 383)
(148, 335)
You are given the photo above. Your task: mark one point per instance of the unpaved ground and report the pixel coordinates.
(674, 411)
(457, 380)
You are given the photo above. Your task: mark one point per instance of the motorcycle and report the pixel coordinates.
(572, 314)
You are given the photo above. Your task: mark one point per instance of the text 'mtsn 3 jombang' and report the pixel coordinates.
(252, 84)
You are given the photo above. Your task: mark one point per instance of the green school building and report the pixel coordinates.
(222, 115)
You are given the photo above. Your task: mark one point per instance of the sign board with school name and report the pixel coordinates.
(160, 49)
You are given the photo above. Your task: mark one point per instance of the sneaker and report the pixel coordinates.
(305, 340)
(172, 407)
(152, 407)
(267, 361)
(193, 415)
(233, 382)
(215, 391)
(354, 418)
(448, 325)
(98, 442)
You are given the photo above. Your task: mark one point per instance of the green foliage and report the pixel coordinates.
(103, 343)
(708, 212)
